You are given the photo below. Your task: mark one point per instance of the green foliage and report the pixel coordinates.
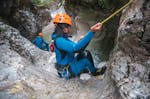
(2, 29)
(43, 2)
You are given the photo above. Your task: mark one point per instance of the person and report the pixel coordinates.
(40, 42)
(67, 64)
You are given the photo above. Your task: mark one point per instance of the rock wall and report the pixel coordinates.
(88, 12)
(26, 72)
(28, 18)
(104, 5)
(130, 59)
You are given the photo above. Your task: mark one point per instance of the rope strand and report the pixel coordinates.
(112, 15)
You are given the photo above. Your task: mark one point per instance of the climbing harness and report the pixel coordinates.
(116, 12)
(64, 71)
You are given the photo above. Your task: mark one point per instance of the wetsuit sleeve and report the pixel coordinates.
(45, 42)
(34, 40)
(70, 46)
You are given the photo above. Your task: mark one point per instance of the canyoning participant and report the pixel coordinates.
(40, 42)
(68, 65)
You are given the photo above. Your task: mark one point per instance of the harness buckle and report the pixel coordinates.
(64, 72)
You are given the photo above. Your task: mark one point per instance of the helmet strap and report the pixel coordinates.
(59, 30)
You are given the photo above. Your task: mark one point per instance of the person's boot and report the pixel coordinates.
(100, 71)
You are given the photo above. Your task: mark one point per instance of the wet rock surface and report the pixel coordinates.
(28, 72)
(28, 18)
(130, 67)
(88, 12)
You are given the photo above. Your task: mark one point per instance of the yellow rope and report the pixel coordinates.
(112, 15)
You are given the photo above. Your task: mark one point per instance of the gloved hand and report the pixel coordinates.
(96, 27)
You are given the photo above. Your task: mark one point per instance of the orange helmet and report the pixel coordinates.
(62, 18)
(41, 34)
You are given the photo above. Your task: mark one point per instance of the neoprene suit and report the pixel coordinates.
(39, 42)
(65, 50)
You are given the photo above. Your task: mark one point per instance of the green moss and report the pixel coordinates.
(43, 2)
(103, 3)
(108, 4)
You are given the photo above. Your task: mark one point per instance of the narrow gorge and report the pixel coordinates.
(27, 72)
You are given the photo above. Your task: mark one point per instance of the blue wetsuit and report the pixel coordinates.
(39, 42)
(65, 50)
